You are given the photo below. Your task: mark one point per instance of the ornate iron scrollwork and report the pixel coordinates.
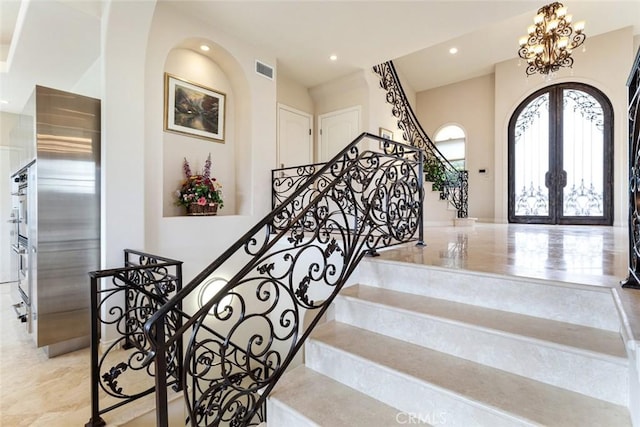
(452, 183)
(587, 106)
(633, 83)
(532, 201)
(583, 200)
(123, 370)
(531, 114)
(325, 219)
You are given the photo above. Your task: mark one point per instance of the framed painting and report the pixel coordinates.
(385, 134)
(192, 109)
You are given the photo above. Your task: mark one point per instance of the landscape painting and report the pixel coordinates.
(193, 109)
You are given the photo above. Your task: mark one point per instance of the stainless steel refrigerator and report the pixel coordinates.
(56, 198)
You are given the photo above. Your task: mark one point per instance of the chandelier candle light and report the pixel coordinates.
(551, 40)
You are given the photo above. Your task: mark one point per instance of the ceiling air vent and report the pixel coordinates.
(264, 70)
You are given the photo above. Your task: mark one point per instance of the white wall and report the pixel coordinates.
(90, 83)
(140, 41)
(345, 92)
(361, 88)
(125, 32)
(470, 105)
(7, 122)
(605, 65)
(485, 117)
(294, 94)
(189, 65)
(408, 90)
(251, 128)
(380, 115)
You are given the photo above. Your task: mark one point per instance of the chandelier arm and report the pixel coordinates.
(578, 39)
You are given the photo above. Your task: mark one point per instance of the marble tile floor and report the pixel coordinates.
(40, 392)
(36, 391)
(579, 254)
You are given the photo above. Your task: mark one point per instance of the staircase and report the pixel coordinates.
(438, 211)
(414, 344)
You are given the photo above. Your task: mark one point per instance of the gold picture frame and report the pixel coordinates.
(192, 109)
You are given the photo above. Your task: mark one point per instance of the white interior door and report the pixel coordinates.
(295, 137)
(337, 129)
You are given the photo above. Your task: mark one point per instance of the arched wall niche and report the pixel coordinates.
(197, 241)
(216, 69)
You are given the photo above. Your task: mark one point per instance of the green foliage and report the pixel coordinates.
(435, 172)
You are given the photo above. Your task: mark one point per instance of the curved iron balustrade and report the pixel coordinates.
(122, 372)
(452, 183)
(295, 261)
(633, 83)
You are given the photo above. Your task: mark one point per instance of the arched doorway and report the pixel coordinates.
(561, 157)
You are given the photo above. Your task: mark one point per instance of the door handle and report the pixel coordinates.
(548, 179)
(563, 178)
(18, 250)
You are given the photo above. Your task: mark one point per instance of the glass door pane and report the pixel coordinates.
(582, 154)
(531, 160)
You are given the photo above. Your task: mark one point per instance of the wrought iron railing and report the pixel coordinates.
(633, 83)
(286, 181)
(289, 267)
(122, 300)
(452, 183)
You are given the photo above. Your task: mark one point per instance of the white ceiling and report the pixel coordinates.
(60, 40)
(480, 50)
(8, 16)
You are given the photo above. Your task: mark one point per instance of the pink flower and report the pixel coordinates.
(202, 201)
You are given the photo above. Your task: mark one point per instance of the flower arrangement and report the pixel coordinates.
(200, 194)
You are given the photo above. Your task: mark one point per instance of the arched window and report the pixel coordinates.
(561, 157)
(450, 141)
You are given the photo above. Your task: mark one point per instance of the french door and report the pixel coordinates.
(561, 157)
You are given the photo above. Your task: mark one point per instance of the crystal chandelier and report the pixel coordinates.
(551, 40)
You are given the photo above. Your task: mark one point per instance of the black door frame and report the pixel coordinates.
(556, 158)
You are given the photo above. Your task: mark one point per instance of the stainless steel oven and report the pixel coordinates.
(20, 190)
(23, 269)
(20, 241)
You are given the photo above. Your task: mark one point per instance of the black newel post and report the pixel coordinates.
(633, 83)
(162, 410)
(96, 420)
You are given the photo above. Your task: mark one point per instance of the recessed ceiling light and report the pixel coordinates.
(204, 48)
(453, 50)
(333, 57)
